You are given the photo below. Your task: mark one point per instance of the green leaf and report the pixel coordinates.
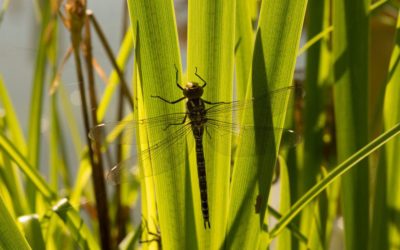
(11, 176)
(317, 87)
(13, 153)
(244, 42)
(122, 59)
(392, 156)
(274, 58)
(13, 123)
(156, 53)
(10, 235)
(350, 51)
(78, 229)
(37, 98)
(32, 231)
(76, 225)
(211, 43)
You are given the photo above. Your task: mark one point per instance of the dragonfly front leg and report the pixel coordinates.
(177, 78)
(215, 103)
(179, 123)
(167, 101)
(204, 81)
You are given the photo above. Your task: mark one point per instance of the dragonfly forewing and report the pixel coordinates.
(155, 153)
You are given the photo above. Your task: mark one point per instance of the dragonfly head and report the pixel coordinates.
(193, 90)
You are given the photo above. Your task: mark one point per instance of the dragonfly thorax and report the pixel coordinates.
(193, 90)
(196, 111)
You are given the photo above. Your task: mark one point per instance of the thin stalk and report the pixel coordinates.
(97, 170)
(292, 226)
(76, 19)
(120, 216)
(104, 226)
(110, 55)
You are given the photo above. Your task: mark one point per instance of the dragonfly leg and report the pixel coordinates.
(179, 123)
(148, 241)
(215, 103)
(205, 83)
(157, 236)
(177, 78)
(170, 102)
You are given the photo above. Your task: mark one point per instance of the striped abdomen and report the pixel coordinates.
(201, 171)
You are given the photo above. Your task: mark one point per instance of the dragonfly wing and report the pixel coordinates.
(158, 155)
(219, 129)
(167, 153)
(276, 98)
(225, 119)
(123, 169)
(123, 132)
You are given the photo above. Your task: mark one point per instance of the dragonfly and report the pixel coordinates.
(202, 121)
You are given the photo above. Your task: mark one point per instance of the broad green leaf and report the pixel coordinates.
(392, 156)
(211, 43)
(350, 52)
(274, 57)
(318, 81)
(156, 53)
(244, 42)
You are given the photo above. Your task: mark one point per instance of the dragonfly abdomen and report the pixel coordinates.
(201, 171)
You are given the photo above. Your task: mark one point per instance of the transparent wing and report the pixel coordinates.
(174, 133)
(224, 119)
(122, 132)
(275, 98)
